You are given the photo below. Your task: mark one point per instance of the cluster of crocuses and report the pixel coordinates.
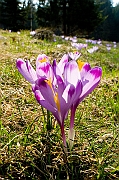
(60, 87)
(93, 49)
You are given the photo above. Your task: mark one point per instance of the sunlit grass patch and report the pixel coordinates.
(29, 148)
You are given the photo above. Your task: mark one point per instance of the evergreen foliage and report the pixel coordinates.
(116, 22)
(11, 14)
(105, 28)
(96, 18)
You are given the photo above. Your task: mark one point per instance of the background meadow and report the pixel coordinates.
(32, 149)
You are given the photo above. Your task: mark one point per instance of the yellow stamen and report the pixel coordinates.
(56, 99)
(80, 64)
(43, 60)
(48, 81)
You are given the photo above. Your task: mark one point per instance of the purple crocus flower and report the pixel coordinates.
(79, 46)
(42, 68)
(56, 87)
(91, 41)
(74, 56)
(108, 48)
(99, 42)
(115, 45)
(93, 49)
(58, 96)
(94, 41)
(32, 33)
(74, 39)
(67, 38)
(90, 79)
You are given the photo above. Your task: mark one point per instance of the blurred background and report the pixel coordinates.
(96, 19)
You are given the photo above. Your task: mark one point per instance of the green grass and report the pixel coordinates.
(29, 148)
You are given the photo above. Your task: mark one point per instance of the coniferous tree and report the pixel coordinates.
(11, 14)
(2, 13)
(48, 13)
(105, 29)
(23, 15)
(31, 19)
(70, 14)
(116, 23)
(83, 14)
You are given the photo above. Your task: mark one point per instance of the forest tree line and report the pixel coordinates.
(94, 18)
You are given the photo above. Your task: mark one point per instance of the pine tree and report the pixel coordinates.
(116, 23)
(83, 14)
(2, 14)
(11, 14)
(105, 29)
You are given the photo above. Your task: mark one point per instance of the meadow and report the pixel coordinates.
(30, 148)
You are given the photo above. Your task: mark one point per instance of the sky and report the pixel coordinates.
(114, 2)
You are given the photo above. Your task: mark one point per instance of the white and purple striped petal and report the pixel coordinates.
(41, 58)
(44, 70)
(43, 102)
(74, 56)
(71, 73)
(85, 68)
(62, 63)
(90, 81)
(26, 70)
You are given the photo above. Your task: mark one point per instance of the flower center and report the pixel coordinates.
(56, 98)
(43, 60)
(80, 64)
(49, 82)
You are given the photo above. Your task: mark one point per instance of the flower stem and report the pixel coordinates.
(73, 110)
(63, 138)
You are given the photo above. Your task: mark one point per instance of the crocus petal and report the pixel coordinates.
(57, 70)
(46, 89)
(46, 104)
(78, 90)
(74, 56)
(60, 85)
(41, 59)
(62, 63)
(23, 69)
(85, 68)
(71, 73)
(43, 67)
(60, 102)
(66, 100)
(91, 80)
(70, 94)
(31, 71)
(76, 103)
(44, 70)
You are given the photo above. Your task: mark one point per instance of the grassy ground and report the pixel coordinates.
(28, 149)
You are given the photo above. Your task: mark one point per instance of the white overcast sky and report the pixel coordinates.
(114, 2)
